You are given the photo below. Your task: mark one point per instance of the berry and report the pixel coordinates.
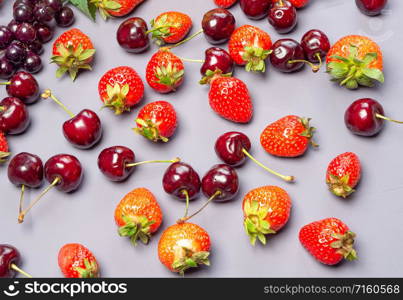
(6, 37)
(216, 60)
(116, 8)
(25, 33)
(7, 68)
(44, 33)
(23, 14)
(316, 45)
(255, 9)
(220, 183)
(43, 13)
(76, 261)
(26, 169)
(132, 35)
(14, 116)
(4, 154)
(283, 16)
(56, 5)
(10, 259)
(170, 27)
(32, 63)
(225, 3)
(287, 55)
(371, 7)
(15, 52)
(65, 17)
(299, 3)
(218, 24)
(23, 86)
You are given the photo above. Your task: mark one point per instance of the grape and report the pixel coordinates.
(15, 52)
(18, 3)
(35, 46)
(23, 14)
(43, 13)
(33, 63)
(56, 5)
(6, 36)
(65, 17)
(7, 68)
(26, 33)
(44, 33)
(13, 26)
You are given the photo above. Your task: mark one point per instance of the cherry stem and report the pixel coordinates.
(379, 116)
(48, 94)
(284, 177)
(184, 219)
(191, 60)
(319, 57)
(185, 192)
(314, 67)
(21, 198)
(21, 217)
(5, 83)
(15, 268)
(177, 159)
(185, 40)
(2, 108)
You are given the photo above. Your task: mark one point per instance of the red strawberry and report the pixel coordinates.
(225, 3)
(250, 46)
(121, 88)
(299, 3)
(328, 240)
(72, 51)
(76, 261)
(3, 148)
(343, 174)
(170, 27)
(164, 72)
(116, 8)
(156, 121)
(288, 137)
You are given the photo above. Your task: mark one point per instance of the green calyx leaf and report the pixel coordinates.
(352, 72)
(213, 74)
(117, 98)
(190, 259)
(339, 185)
(106, 6)
(344, 245)
(255, 59)
(150, 130)
(161, 29)
(169, 75)
(309, 131)
(255, 223)
(89, 271)
(137, 228)
(87, 7)
(4, 156)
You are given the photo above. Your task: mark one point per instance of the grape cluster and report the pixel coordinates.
(33, 25)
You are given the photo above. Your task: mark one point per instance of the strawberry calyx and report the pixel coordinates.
(340, 185)
(161, 29)
(150, 130)
(255, 58)
(213, 74)
(255, 223)
(351, 71)
(72, 60)
(344, 245)
(105, 6)
(137, 228)
(309, 131)
(3, 156)
(89, 271)
(168, 75)
(189, 259)
(116, 98)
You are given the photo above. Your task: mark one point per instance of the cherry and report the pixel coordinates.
(10, 258)
(220, 183)
(287, 55)
(316, 45)
(366, 117)
(23, 86)
(217, 59)
(83, 130)
(371, 7)
(14, 116)
(233, 148)
(283, 16)
(118, 162)
(218, 24)
(7, 68)
(255, 9)
(132, 35)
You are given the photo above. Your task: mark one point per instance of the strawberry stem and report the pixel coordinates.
(48, 94)
(379, 116)
(15, 268)
(185, 40)
(177, 159)
(184, 219)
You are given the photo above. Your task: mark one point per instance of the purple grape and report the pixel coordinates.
(35, 46)
(23, 14)
(44, 33)
(6, 36)
(26, 33)
(18, 3)
(32, 63)
(65, 17)
(56, 5)
(43, 13)
(13, 26)
(7, 68)
(15, 52)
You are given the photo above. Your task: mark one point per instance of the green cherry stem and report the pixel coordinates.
(48, 94)
(184, 219)
(185, 40)
(16, 268)
(185, 192)
(177, 159)
(191, 60)
(5, 83)
(21, 198)
(314, 67)
(379, 116)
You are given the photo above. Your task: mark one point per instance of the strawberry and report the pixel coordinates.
(3, 148)
(183, 246)
(225, 3)
(299, 3)
(355, 60)
(250, 46)
(76, 261)
(156, 121)
(72, 51)
(138, 215)
(328, 240)
(266, 210)
(121, 88)
(288, 136)
(116, 8)
(343, 174)
(164, 72)
(170, 27)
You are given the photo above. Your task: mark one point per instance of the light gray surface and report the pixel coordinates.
(374, 212)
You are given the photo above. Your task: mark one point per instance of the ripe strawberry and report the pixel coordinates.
(138, 215)
(299, 3)
(328, 240)
(250, 46)
(164, 72)
(170, 27)
(121, 88)
(72, 51)
(343, 174)
(116, 8)
(266, 210)
(225, 3)
(156, 121)
(183, 246)
(288, 136)
(3, 148)
(355, 60)
(76, 261)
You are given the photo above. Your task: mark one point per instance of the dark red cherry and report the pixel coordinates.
(179, 179)
(7, 68)
(217, 59)
(283, 16)
(371, 7)
(26, 169)
(64, 171)
(230, 148)
(132, 35)
(10, 259)
(220, 183)
(218, 24)
(113, 161)
(287, 55)
(23, 86)
(316, 45)
(6, 37)
(13, 26)
(255, 9)
(14, 116)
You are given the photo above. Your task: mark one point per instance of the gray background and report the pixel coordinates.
(374, 212)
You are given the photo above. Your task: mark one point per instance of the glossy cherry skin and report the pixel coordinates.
(229, 147)
(112, 162)
(132, 35)
(180, 177)
(284, 51)
(315, 43)
(8, 255)
(218, 24)
(283, 16)
(222, 178)
(217, 59)
(14, 116)
(23, 86)
(84, 130)
(67, 168)
(371, 7)
(360, 117)
(255, 9)
(26, 169)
